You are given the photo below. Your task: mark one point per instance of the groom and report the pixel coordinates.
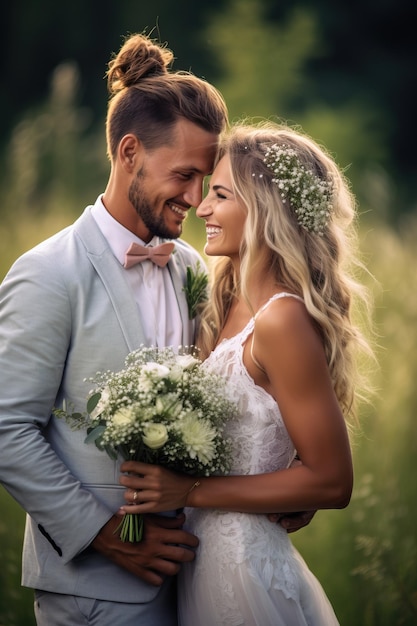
(78, 303)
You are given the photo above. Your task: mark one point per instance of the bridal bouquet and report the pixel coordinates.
(163, 408)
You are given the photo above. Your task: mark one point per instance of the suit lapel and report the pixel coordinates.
(111, 275)
(124, 305)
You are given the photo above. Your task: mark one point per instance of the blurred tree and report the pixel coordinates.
(38, 35)
(52, 161)
(262, 64)
(346, 66)
(370, 55)
(265, 72)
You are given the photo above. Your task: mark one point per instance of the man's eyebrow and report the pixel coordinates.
(189, 168)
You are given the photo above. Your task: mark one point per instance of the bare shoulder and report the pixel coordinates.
(285, 328)
(283, 315)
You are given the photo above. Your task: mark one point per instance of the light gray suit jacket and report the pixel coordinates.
(66, 311)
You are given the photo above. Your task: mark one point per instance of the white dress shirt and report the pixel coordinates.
(151, 285)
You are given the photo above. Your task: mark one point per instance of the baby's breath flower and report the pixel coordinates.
(310, 196)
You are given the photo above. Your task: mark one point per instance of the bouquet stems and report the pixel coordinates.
(131, 528)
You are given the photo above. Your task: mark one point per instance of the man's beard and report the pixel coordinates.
(154, 223)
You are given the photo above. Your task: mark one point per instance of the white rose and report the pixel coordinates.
(186, 361)
(145, 383)
(155, 436)
(124, 416)
(155, 370)
(175, 373)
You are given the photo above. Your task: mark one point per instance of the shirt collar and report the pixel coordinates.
(118, 237)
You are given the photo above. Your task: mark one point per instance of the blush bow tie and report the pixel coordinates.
(136, 253)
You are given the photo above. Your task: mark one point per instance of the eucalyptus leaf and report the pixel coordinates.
(93, 401)
(95, 433)
(111, 452)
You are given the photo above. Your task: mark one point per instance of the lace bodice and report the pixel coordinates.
(260, 439)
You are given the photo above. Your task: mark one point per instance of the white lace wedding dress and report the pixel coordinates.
(247, 571)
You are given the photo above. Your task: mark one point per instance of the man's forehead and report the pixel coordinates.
(197, 159)
(186, 133)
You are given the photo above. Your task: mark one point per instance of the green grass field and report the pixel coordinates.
(365, 556)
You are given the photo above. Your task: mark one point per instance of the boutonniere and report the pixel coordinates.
(196, 289)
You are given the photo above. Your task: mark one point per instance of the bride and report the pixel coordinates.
(279, 215)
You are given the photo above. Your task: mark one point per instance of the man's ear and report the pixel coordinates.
(130, 152)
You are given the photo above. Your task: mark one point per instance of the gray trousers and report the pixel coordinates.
(54, 609)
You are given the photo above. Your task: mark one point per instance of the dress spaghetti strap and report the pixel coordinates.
(276, 296)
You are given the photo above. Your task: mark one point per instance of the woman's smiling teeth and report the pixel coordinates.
(212, 231)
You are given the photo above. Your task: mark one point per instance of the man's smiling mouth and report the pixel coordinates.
(176, 209)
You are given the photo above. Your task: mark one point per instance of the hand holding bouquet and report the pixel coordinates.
(162, 408)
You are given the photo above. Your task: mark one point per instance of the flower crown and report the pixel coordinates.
(309, 195)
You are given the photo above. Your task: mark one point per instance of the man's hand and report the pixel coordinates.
(292, 521)
(160, 553)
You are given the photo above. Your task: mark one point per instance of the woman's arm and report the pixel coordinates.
(291, 354)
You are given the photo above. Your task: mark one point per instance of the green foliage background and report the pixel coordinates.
(342, 71)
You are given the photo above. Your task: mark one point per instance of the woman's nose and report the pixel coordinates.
(204, 208)
(194, 193)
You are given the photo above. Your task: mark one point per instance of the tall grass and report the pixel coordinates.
(365, 556)
(16, 603)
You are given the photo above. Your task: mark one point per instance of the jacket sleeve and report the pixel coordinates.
(35, 332)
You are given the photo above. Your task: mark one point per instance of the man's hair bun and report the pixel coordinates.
(138, 59)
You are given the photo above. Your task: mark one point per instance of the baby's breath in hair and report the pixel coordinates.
(310, 196)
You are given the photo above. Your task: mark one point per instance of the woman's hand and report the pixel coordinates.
(152, 488)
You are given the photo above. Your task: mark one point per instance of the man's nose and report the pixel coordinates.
(194, 193)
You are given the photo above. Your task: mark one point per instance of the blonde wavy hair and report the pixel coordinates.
(320, 269)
